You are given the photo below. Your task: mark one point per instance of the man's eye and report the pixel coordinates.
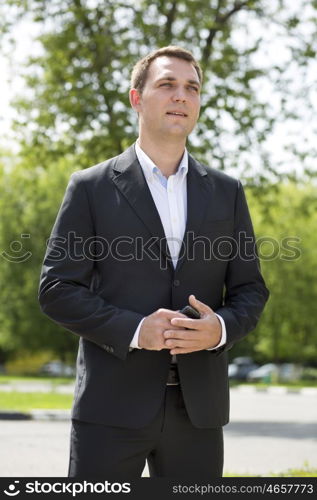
(165, 84)
(193, 88)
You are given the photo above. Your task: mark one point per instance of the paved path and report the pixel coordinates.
(42, 386)
(268, 432)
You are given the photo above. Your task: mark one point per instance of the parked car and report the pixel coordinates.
(264, 373)
(57, 368)
(240, 367)
(290, 372)
(286, 372)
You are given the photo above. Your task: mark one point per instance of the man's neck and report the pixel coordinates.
(166, 157)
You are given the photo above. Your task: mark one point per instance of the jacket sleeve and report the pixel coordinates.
(245, 291)
(65, 291)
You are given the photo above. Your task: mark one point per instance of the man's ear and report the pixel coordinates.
(135, 99)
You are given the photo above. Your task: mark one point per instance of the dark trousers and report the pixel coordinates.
(172, 446)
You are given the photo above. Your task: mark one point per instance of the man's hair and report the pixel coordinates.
(141, 68)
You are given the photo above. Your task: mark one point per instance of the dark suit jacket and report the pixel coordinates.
(107, 266)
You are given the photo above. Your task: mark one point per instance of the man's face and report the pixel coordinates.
(169, 104)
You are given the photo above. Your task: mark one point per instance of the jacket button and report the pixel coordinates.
(176, 282)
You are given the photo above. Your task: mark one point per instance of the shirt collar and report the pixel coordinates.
(150, 169)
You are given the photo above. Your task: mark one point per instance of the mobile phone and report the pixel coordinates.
(190, 312)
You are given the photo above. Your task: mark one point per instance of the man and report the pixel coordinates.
(137, 238)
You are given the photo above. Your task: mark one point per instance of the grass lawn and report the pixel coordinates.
(9, 379)
(290, 385)
(26, 401)
(306, 471)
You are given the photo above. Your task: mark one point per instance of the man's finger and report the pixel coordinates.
(180, 334)
(168, 314)
(185, 323)
(181, 350)
(181, 343)
(200, 306)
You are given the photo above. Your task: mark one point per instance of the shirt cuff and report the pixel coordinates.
(223, 339)
(135, 340)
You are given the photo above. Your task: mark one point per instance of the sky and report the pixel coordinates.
(10, 82)
(5, 95)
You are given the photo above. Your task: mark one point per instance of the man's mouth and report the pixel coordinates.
(176, 113)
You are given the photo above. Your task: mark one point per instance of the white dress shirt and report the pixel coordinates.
(170, 198)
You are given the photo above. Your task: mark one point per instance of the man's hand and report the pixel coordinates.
(204, 333)
(152, 330)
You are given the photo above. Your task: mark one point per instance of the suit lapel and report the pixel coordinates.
(198, 198)
(129, 179)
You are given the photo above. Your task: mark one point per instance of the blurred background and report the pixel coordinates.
(65, 67)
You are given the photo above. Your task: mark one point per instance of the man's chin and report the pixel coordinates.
(178, 132)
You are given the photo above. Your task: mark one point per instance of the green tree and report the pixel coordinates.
(287, 242)
(77, 88)
(76, 113)
(28, 203)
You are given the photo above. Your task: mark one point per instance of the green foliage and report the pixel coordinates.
(28, 206)
(285, 220)
(28, 363)
(305, 471)
(12, 380)
(77, 99)
(287, 242)
(76, 113)
(310, 374)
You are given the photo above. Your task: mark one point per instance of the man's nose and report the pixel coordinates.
(179, 95)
